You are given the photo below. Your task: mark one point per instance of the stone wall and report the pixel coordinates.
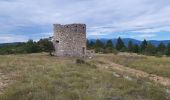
(70, 40)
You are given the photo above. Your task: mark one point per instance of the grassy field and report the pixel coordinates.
(41, 77)
(154, 65)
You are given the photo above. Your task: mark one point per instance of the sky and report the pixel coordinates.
(21, 20)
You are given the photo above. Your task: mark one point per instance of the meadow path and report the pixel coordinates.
(137, 73)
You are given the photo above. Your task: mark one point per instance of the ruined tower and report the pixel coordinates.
(70, 40)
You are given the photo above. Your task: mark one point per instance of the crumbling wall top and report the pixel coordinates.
(70, 25)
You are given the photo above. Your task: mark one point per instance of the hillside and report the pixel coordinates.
(42, 77)
(14, 43)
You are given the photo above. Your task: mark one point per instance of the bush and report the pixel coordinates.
(115, 51)
(43, 45)
(80, 61)
(108, 50)
(158, 54)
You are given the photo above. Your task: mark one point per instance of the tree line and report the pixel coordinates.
(43, 45)
(145, 47)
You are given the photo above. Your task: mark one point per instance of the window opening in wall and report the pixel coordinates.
(57, 41)
(83, 50)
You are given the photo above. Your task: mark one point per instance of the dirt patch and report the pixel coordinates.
(4, 81)
(137, 73)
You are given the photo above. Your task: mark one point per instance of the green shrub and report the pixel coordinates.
(158, 54)
(80, 61)
(115, 51)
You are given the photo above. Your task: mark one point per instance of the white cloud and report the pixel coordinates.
(144, 36)
(6, 38)
(102, 17)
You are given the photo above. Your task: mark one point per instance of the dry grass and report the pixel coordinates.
(152, 65)
(41, 77)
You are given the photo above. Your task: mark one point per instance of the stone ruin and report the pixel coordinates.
(70, 40)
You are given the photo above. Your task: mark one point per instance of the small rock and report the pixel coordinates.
(128, 78)
(115, 74)
(168, 91)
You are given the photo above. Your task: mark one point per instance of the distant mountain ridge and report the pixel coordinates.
(126, 40)
(13, 43)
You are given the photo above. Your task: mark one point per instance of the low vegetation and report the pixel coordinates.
(41, 77)
(46, 45)
(43, 45)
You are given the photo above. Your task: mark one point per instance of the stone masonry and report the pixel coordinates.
(70, 40)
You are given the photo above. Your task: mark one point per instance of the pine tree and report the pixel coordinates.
(161, 48)
(130, 46)
(150, 49)
(91, 45)
(120, 45)
(143, 46)
(109, 47)
(109, 44)
(99, 46)
(88, 44)
(136, 48)
(168, 50)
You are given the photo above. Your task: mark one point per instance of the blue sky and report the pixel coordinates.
(21, 20)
